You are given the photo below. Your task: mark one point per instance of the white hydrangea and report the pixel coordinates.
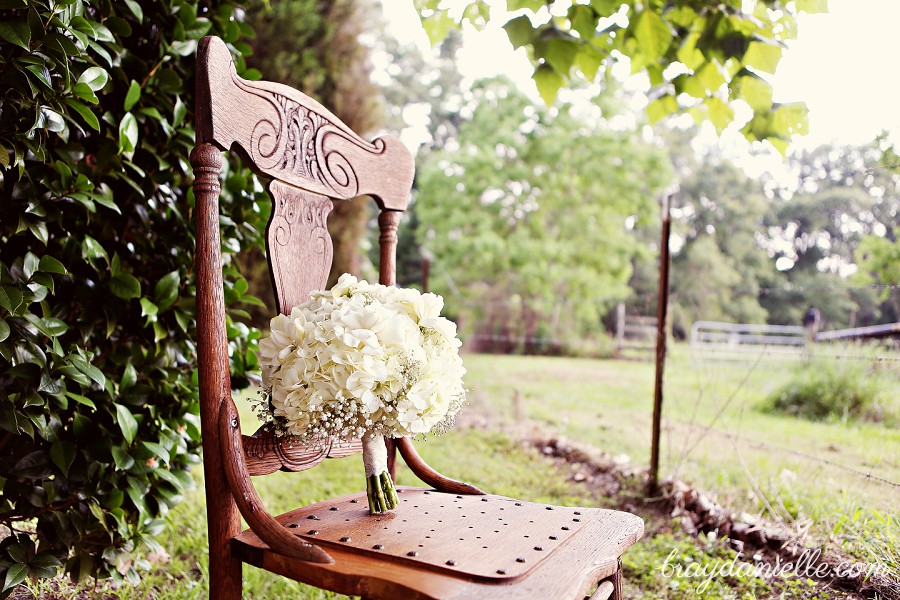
(363, 358)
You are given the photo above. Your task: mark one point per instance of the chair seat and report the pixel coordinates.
(439, 545)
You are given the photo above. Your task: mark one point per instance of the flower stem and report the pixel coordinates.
(379, 486)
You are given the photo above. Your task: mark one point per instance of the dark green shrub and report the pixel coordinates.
(98, 406)
(826, 390)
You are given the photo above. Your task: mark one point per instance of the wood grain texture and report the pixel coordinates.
(297, 243)
(563, 568)
(275, 535)
(266, 453)
(289, 136)
(215, 380)
(604, 591)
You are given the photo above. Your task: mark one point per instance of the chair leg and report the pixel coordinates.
(610, 588)
(618, 584)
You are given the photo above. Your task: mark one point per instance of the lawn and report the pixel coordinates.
(715, 436)
(715, 433)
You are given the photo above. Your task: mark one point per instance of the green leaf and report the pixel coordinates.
(148, 309)
(4, 330)
(133, 95)
(762, 56)
(30, 264)
(94, 77)
(166, 291)
(532, 5)
(720, 114)
(4, 157)
(789, 119)
(125, 286)
(128, 135)
(91, 249)
(104, 197)
(438, 26)
(560, 53)
(755, 92)
(129, 377)
(519, 31)
(157, 450)
(87, 114)
(127, 422)
(689, 54)
(49, 326)
(135, 7)
(168, 476)
(63, 455)
(606, 7)
(661, 108)
(121, 457)
(83, 400)
(710, 76)
(548, 82)
(16, 32)
(48, 264)
(584, 21)
(179, 113)
(50, 120)
(653, 35)
(14, 576)
(812, 6)
(41, 73)
(10, 298)
(83, 91)
(45, 565)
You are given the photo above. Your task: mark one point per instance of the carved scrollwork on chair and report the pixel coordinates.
(266, 452)
(291, 137)
(298, 244)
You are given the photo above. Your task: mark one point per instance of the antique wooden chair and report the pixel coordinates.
(450, 541)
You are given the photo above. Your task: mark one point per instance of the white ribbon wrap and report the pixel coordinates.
(374, 454)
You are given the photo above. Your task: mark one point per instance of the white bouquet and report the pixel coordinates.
(363, 361)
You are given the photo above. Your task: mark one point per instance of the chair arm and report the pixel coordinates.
(248, 501)
(424, 472)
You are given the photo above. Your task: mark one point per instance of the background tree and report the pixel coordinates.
(717, 270)
(98, 403)
(813, 233)
(529, 214)
(429, 91)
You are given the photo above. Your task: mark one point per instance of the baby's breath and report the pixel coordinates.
(361, 358)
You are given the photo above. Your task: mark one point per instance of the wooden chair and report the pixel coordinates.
(449, 541)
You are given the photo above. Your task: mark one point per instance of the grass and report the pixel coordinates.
(716, 435)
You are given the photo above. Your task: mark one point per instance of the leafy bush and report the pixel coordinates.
(98, 404)
(829, 390)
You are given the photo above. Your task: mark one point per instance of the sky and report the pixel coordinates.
(841, 65)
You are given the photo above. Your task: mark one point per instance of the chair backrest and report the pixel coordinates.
(312, 158)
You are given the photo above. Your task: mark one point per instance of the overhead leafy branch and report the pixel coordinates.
(699, 56)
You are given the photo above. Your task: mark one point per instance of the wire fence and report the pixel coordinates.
(765, 352)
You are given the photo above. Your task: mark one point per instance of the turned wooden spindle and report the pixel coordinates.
(388, 221)
(215, 379)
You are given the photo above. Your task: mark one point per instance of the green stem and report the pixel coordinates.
(381, 493)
